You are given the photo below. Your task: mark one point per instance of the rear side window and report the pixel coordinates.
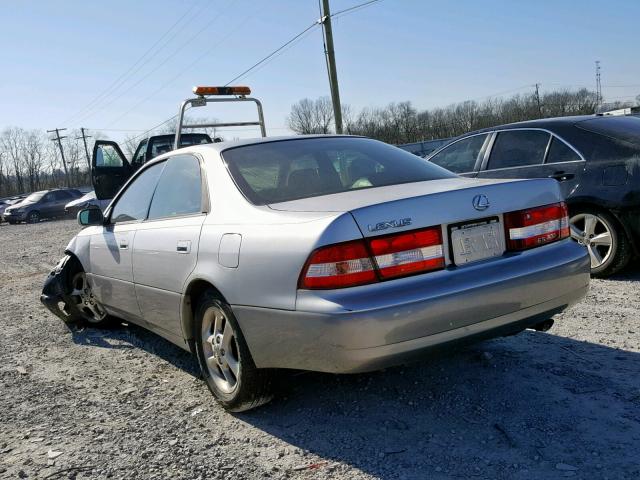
(179, 190)
(280, 171)
(461, 156)
(518, 148)
(561, 152)
(133, 204)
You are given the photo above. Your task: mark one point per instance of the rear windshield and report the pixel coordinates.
(625, 128)
(309, 167)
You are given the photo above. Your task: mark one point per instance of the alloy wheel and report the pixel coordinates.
(595, 233)
(85, 300)
(220, 348)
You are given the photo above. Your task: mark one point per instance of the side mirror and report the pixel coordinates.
(90, 216)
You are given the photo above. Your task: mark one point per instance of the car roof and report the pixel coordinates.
(548, 123)
(226, 145)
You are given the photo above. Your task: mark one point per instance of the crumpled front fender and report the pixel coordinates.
(54, 289)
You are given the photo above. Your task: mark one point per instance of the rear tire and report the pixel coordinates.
(225, 360)
(605, 239)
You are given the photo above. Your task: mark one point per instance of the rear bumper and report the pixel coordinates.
(374, 326)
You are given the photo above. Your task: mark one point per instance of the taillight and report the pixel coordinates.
(536, 226)
(366, 261)
(337, 266)
(408, 253)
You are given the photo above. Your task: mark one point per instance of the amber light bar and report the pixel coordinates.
(221, 90)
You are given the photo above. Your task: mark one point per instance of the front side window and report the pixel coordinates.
(179, 190)
(518, 148)
(461, 156)
(133, 204)
(561, 152)
(108, 156)
(280, 171)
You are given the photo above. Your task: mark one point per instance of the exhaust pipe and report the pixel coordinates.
(543, 326)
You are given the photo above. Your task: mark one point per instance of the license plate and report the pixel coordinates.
(477, 241)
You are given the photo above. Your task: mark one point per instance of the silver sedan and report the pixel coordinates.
(326, 253)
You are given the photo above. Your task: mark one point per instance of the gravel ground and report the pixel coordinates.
(125, 403)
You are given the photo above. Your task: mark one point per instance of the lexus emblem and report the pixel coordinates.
(480, 202)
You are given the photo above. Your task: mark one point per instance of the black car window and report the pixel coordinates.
(133, 204)
(286, 170)
(461, 156)
(62, 195)
(518, 148)
(179, 190)
(561, 152)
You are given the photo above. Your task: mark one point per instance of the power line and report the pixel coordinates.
(172, 55)
(264, 59)
(355, 7)
(182, 71)
(130, 71)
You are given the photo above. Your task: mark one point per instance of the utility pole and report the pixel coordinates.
(86, 150)
(598, 85)
(537, 85)
(59, 140)
(331, 65)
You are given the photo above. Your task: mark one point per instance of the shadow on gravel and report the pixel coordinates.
(531, 406)
(128, 336)
(534, 405)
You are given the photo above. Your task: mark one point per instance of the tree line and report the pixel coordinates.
(30, 161)
(399, 123)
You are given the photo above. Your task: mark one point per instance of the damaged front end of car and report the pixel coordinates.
(54, 291)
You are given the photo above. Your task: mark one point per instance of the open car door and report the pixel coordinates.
(109, 169)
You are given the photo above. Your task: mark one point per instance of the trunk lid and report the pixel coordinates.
(410, 206)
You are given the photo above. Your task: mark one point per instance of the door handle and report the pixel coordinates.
(562, 176)
(123, 244)
(183, 246)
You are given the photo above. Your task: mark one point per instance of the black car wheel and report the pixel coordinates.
(605, 239)
(33, 217)
(225, 360)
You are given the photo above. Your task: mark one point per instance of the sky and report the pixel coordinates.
(121, 67)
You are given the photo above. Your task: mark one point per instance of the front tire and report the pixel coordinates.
(79, 303)
(33, 217)
(225, 360)
(605, 239)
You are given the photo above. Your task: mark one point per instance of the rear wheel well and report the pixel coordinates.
(192, 296)
(582, 206)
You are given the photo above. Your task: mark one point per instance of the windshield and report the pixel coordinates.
(308, 167)
(34, 197)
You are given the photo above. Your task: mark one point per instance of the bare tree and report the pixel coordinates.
(33, 150)
(302, 119)
(130, 144)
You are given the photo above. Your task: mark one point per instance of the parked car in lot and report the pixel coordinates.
(325, 253)
(7, 202)
(596, 161)
(41, 205)
(87, 200)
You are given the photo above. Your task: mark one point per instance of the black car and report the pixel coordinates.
(39, 205)
(595, 158)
